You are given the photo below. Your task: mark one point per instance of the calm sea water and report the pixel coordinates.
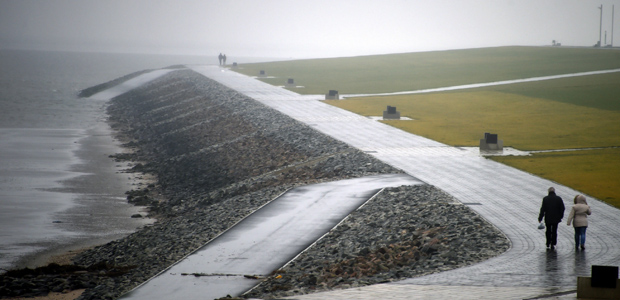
(59, 189)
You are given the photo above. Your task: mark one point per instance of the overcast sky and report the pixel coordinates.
(299, 28)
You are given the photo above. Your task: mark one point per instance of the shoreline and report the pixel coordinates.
(100, 212)
(97, 211)
(218, 156)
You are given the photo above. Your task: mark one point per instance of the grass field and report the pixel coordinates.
(525, 122)
(568, 113)
(594, 172)
(423, 70)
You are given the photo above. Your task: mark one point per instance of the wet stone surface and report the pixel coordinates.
(217, 156)
(508, 198)
(404, 232)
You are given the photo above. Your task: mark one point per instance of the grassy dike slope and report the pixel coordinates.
(423, 70)
(570, 113)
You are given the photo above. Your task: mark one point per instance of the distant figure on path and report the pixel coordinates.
(579, 215)
(220, 57)
(552, 209)
(224, 58)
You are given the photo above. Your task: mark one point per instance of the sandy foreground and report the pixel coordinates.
(65, 258)
(55, 296)
(62, 259)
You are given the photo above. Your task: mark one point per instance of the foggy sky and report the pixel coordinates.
(299, 28)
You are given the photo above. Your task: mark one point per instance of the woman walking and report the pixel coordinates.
(579, 216)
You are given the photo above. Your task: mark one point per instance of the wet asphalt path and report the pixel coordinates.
(508, 198)
(266, 240)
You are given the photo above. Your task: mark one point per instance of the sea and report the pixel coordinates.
(59, 189)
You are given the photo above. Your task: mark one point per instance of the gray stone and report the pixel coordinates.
(391, 114)
(218, 156)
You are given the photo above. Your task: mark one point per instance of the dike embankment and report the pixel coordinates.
(216, 156)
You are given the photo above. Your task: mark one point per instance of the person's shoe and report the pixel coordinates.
(583, 247)
(552, 247)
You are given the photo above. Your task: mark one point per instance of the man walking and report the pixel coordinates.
(552, 210)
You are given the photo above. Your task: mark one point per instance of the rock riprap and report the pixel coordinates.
(216, 156)
(403, 232)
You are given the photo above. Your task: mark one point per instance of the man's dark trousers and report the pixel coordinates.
(552, 234)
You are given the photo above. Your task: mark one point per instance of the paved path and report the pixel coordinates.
(477, 85)
(265, 240)
(130, 84)
(507, 197)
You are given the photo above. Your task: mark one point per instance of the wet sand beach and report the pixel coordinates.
(55, 296)
(85, 186)
(59, 189)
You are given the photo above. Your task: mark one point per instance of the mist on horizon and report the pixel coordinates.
(300, 29)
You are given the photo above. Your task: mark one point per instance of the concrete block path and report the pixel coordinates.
(265, 240)
(508, 198)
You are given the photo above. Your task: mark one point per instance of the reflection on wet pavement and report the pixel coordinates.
(506, 197)
(265, 240)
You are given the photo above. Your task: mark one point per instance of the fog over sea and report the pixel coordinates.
(59, 189)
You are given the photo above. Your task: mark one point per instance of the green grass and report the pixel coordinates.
(556, 119)
(577, 112)
(423, 70)
(595, 91)
(523, 122)
(594, 172)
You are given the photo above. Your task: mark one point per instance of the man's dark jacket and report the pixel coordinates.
(552, 209)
